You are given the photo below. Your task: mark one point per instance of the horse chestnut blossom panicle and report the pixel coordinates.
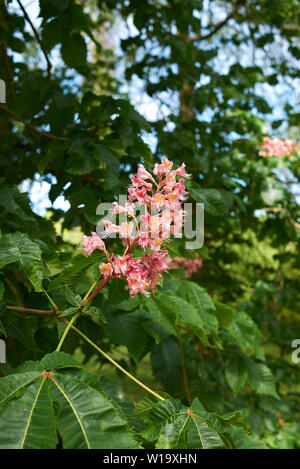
(159, 198)
(191, 266)
(276, 147)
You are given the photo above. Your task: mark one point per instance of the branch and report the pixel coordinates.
(20, 309)
(95, 293)
(49, 66)
(15, 291)
(217, 27)
(30, 127)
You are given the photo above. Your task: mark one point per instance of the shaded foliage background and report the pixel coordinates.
(221, 75)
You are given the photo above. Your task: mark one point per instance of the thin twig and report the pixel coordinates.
(217, 27)
(20, 309)
(49, 66)
(31, 127)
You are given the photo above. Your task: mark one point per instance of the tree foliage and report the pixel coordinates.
(214, 349)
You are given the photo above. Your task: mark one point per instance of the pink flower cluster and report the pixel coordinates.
(276, 147)
(191, 266)
(160, 197)
(142, 273)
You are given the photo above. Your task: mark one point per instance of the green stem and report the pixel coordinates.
(86, 300)
(89, 298)
(114, 362)
(51, 301)
(70, 324)
(90, 290)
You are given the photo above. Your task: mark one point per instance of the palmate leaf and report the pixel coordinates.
(28, 421)
(173, 426)
(86, 418)
(176, 427)
(35, 406)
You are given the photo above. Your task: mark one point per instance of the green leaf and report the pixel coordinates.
(21, 328)
(50, 8)
(211, 198)
(201, 301)
(59, 360)
(236, 373)
(72, 298)
(95, 314)
(2, 330)
(13, 201)
(224, 314)
(117, 292)
(201, 436)
(84, 416)
(68, 312)
(126, 329)
(74, 50)
(13, 386)
(175, 427)
(36, 427)
(158, 321)
(188, 315)
(75, 270)
(166, 365)
(246, 333)
(241, 440)
(261, 378)
(17, 247)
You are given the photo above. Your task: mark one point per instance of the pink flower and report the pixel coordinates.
(143, 173)
(120, 265)
(137, 194)
(105, 269)
(276, 147)
(191, 266)
(126, 229)
(181, 171)
(143, 239)
(109, 228)
(163, 168)
(91, 243)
